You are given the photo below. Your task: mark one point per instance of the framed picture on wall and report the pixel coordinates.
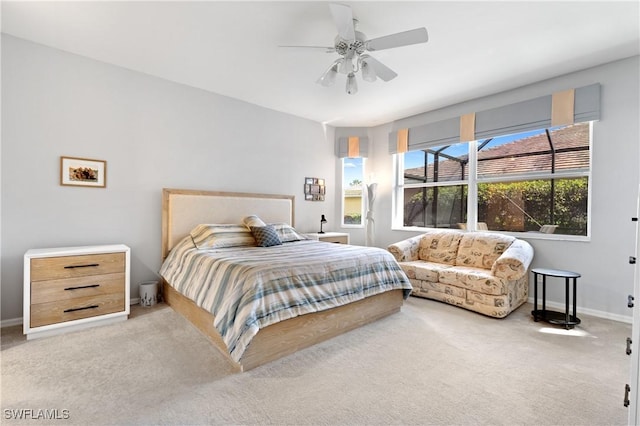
(76, 171)
(314, 189)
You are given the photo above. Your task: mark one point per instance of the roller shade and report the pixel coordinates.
(519, 117)
(343, 144)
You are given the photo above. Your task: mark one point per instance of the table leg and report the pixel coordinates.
(535, 297)
(566, 298)
(544, 293)
(575, 313)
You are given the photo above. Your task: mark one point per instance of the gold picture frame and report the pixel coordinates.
(75, 171)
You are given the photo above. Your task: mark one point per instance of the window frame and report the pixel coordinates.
(472, 182)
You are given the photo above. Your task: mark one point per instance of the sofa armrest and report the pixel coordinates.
(514, 262)
(406, 250)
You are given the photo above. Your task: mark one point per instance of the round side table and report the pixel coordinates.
(552, 317)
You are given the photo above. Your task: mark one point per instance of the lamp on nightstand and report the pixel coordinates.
(322, 221)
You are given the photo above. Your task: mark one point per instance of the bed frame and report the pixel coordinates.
(183, 209)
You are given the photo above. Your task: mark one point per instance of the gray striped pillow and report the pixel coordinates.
(214, 236)
(287, 233)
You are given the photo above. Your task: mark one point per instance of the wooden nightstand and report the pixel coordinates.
(71, 288)
(330, 237)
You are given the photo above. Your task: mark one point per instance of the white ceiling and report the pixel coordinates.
(232, 48)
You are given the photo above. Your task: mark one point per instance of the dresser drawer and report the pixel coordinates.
(52, 268)
(71, 288)
(76, 308)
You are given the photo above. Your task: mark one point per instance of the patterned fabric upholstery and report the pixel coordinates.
(266, 236)
(514, 261)
(480, 249)
(421, 270)
(473, 279)
(440, 247)
(484, 272)
(406, 250)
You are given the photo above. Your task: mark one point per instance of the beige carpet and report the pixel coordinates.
(429, 364)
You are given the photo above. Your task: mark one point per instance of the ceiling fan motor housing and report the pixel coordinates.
(351, 47)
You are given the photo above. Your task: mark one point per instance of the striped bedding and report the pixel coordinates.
(249, 288)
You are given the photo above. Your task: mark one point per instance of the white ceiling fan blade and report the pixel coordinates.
(327, 49)
(343, 18)
(383, 72)
(419, 35)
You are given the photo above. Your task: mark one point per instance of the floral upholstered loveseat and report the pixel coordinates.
(480, 271)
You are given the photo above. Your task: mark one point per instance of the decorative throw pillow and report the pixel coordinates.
(252, 220)
(214, 236)
(286, 232)
(481, 250)
(266, 236)
(439, 247)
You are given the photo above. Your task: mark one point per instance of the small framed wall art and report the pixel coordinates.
(83, 172)
(314, 189)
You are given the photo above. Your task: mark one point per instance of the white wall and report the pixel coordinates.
(607, 278)
(153, 134)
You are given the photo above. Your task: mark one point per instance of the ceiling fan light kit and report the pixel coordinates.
(352, 84)
(351, 45)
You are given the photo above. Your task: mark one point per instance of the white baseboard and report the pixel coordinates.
(11, 322)
(554, 305)
(592, 312)
(18, 321)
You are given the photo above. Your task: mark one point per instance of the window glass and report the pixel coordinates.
(547, 150)
(526, 206)
(436, 206)
(352, 195)
(536, 181)
(438, 164)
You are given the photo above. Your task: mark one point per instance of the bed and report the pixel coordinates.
(267, 333)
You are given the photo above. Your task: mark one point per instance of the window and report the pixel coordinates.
(352, 194)
(435, 186)
(536, 181)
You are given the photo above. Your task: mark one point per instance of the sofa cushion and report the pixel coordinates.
(440, 247)
(481, 249)
(421, 270)
(477, 279)
(428, 287)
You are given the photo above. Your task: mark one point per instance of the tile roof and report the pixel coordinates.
(529, 154)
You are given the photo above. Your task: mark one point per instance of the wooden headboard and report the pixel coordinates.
(183, 209)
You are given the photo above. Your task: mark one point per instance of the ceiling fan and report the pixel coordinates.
(351, 45)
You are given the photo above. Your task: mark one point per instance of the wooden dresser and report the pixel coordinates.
(71, 288)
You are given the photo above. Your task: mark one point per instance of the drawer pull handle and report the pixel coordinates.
(89, 265)
(627, 389)
(80, 309)
(82, 286)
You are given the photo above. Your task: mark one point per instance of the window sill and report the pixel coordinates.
(520, 235)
